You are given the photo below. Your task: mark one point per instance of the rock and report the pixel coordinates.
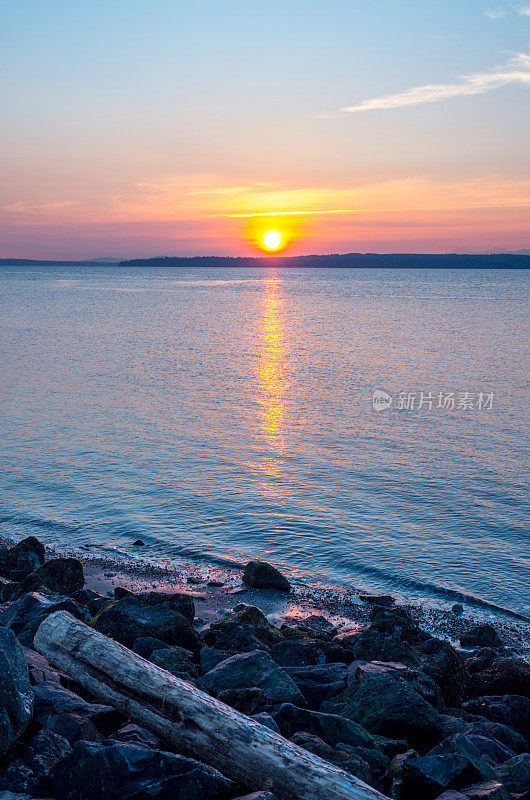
(23, 558)
(261, 575)
(307, 652)
(134, 734)
(247, 701)
(384, 600)
(481, 636)
(429, 775)
(318, 626)
(490, 790)
(331, 728)
(121, 591)
(16, 696)
(495, 730)
(390, 707)
(505, 676)
(145, 645)
(319, 682)
(245, 630)
(370, 645)
(33, 608)
(457, 609)
(360, 671)
(210, 657)
(119, 771)
(493, 751)
(441, 662)
(477, 768)
(138, 543)
(265, 719)
(515, 774)
(398, 623)
(350, 761)
(397, 774)
(165, 617)
(256, 796)
(482, 659)
(72, 727)
(177, 661)
(52, 699)
(7, 795)
(30, 765)
(39, 668)
(452, 794)
(510, 709)
(58, 575)
(256, 669)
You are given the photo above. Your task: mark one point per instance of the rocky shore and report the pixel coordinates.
(377, 689)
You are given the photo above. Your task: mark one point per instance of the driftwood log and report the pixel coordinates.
(194, 723)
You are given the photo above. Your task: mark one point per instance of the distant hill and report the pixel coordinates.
(337, 260)
(396, 260)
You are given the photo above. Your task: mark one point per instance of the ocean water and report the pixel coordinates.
(227, 414)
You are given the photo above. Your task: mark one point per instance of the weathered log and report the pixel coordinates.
(194, 723)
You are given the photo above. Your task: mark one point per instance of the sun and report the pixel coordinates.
(272, 240)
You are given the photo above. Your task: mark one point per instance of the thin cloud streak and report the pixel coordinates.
(496, 13)
(516, 71)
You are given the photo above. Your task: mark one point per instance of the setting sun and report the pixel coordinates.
(272, 240)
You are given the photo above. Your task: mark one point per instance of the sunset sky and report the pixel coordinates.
(134, 128)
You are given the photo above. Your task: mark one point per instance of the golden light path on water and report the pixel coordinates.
(271, 387)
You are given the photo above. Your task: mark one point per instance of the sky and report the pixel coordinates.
(133, 128)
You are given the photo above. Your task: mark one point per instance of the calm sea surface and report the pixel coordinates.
(226, 414)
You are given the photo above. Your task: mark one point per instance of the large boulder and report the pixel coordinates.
(168, 617)
(58, 575)
(261, 575)
(245, 630)
(350, 761)
(447, 667)
(515, 774)
(372, 645)
(390, 707)
(505, 676)
(481, 636)
(396, 622)
(52, 699)
(318, 626)
(486, 790)
(511, 710)
(31, 764)
(24, 557)
(256, 669)
(319, 682)
(120, 771)
(31, 609)
(331, 728)
(361, 671)
(16, 695)
(177, 661)
(302, 652)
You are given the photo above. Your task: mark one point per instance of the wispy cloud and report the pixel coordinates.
(524, 11)
(496, 13)
(22, 207)
(516, 70)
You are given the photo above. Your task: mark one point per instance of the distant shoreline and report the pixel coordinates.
(336, 261)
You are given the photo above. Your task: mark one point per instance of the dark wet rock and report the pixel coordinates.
(493, 751)
(138, 543)
(256, 796)
(331, 728)
(30, 764)
(349, 761)
(390, 707)
(261, 575)
(377, 761)
(58, 575)
(8, 795)
(215, 584)
(256, 669)
(396, 622)
(73, 727)
(121, 771)
(497, 731)
(210, 657)
(33, 608)
(481, 636)
(360, 671)
(23, 558)
(121, 591)
(370, 645)
(135, 734)
(397, 773)
(452, 794)
(319, 682)
(390, 747)
(458, 609)
(510, 709)
(52, 699)
(505, 676)
(384, 600)
(39, 668)
(441, 662)
(16, 696)
(156, 615)
(429, 775)
(482, 659)
(488, 790)
(245, 630)
(307, 652)
(265, 719)
(515, 774)
(318, 626)
(477, 767)
(247, 701)
(85, 596)
(145, 645)
(177, 661)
